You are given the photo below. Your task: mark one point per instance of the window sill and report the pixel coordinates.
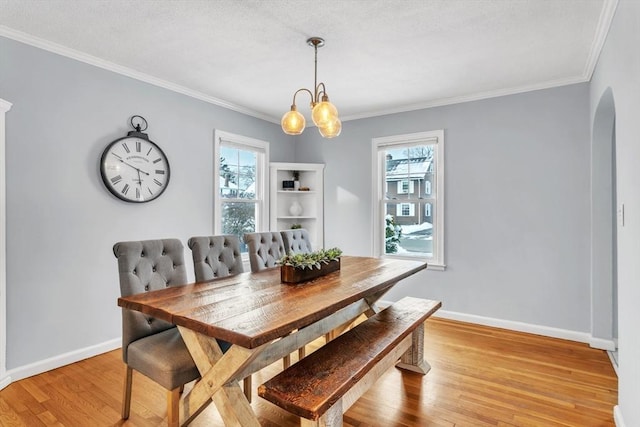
(436, 266)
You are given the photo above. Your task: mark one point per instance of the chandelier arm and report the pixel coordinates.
(319, 91)
(302, 90)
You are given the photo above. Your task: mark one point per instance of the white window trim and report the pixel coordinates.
(262, 171)
(378, 167)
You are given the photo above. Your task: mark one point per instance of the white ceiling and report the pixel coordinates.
(380, 56)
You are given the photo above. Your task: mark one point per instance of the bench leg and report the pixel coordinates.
(331, 418)
(413, 359)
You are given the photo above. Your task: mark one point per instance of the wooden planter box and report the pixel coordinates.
(293, 275)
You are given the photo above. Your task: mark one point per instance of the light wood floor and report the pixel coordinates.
(480, 377)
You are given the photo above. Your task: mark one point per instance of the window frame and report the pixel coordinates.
(379, 145)
(261, 148)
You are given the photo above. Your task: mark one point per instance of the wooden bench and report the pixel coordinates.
(323, 385)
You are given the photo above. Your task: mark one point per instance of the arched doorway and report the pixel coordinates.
(604, 216)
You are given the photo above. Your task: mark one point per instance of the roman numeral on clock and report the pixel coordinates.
(126, 147)
(138, 146)
(116, 179)
(157, 182)
(125, 189)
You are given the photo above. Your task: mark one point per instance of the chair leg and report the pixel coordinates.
(247, 388)
(126, 396)
(173, 407)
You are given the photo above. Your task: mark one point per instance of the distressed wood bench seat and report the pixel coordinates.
(323, 385)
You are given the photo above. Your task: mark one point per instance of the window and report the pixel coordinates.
(405, 209)
(427, 188)
(409, 196)
(405, 186)
(240, 183)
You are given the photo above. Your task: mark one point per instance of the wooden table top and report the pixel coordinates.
(251, 309)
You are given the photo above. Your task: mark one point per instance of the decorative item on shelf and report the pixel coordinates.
(296, 226)
(323, 113)
(305, 189)
(296, 208)
(287, 185)
(296, 268)
(296, 180)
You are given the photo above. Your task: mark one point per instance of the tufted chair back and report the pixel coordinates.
(264, 249)
(145, 266)
(296, 241)
(215, 256)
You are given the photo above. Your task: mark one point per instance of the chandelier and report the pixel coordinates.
(323, 113)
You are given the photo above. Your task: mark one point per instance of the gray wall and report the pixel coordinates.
(62, 284)
(517, 203)
(618, 72)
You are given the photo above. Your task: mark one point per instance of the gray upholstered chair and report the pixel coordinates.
(151, 346)
(265, 249)
(296, 241)
(218, 256)
(215, 256)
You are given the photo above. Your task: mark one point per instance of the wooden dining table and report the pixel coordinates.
(263, 320)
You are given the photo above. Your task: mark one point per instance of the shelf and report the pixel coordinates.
(296, 192)
(311, 218)
(296, 217)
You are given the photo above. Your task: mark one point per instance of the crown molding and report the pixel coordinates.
(468, 98)
(128, 72)
(604, 24)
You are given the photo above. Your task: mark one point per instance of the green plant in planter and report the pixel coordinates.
(311, 260)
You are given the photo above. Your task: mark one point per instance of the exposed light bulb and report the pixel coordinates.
(331, 129)
(324, 112)
(293, 122)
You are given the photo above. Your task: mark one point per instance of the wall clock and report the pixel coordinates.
(134, 168)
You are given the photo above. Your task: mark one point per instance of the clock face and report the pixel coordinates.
(134, 169)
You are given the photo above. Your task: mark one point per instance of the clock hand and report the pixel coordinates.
(130, 165)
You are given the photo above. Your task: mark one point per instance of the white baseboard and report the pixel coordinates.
(602, 344)
(617, 416)
(530, 328)
(5, 381)
(61, 360)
